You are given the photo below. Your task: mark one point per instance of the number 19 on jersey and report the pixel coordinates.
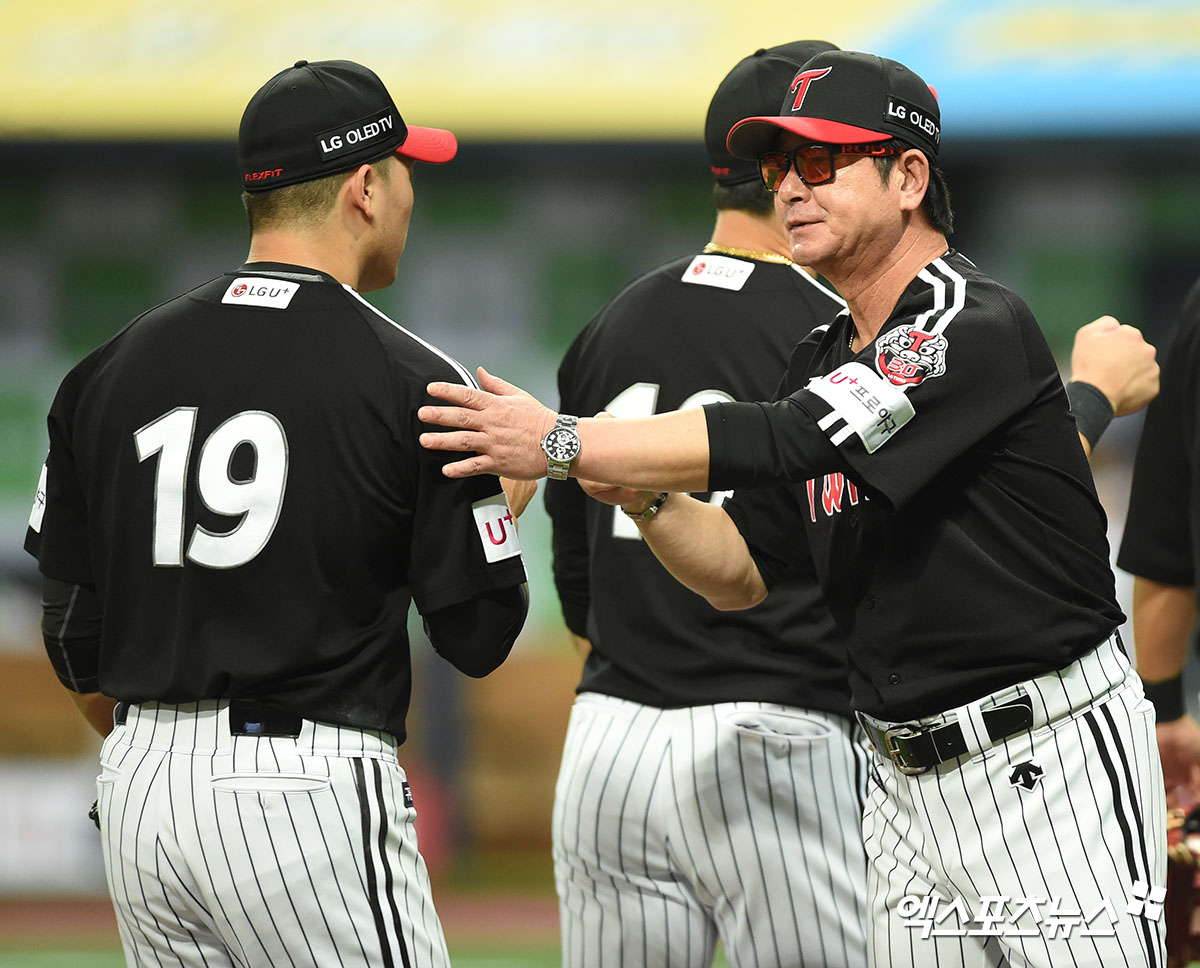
(257, 499)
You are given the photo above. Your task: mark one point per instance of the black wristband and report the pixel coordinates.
(1091, 409)
(1167, 697)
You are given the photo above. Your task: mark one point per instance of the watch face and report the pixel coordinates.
(561, 444)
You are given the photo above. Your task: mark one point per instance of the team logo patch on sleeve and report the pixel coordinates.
(907, 357)
(869, 405)
(39, 503)
(269, 293)
(719, 271)
(497, 527)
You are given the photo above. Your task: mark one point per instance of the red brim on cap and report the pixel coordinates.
(752, 137)
(435, 145)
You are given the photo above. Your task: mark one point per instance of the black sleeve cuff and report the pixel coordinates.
(759, 443)
(739, 451)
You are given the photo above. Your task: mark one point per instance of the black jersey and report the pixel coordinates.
(703, 328)
(1161, 540)
(962, 546)
(238, 474)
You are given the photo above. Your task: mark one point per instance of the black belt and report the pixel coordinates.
(915, 749)
(246, 718)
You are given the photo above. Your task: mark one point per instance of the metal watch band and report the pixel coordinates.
(652, 510)
(558, 470)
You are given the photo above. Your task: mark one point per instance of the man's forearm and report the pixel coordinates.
(97, 709)
(1164, 618)
(699, 544)
(668, 452)
(582, 646)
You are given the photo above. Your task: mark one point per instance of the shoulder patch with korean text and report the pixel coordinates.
(863, 403)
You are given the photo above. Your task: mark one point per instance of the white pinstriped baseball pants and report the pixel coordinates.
(1071, 811)
(224, 850)
(739, 820)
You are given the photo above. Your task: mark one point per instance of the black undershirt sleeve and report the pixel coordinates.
(476, 635)
(762, 443)
(72, 620)
(567, 506)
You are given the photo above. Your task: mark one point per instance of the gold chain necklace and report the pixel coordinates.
(775, 257)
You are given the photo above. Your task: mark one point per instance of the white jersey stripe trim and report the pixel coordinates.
(939, 299)
(944, 313)
(816, 283)
(468, 379)
(959, 290)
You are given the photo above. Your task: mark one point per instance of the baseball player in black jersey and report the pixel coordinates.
(233, 520)
(711, 761)
(924, 443)
(1161, 547)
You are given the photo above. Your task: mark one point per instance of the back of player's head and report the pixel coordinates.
(755, 86)
(316, 119)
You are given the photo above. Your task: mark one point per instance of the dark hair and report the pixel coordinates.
(747, 196)
(936, 204)
(303, 205)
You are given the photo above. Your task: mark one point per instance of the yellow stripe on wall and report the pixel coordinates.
(489, 70)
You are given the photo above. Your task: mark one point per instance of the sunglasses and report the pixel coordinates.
(813, 163)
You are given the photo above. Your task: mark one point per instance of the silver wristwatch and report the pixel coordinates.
(562, 446)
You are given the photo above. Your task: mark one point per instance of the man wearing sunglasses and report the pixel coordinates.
(719, 748)
(925, 444)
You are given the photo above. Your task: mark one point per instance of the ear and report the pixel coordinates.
(912, 170)
(359, 190)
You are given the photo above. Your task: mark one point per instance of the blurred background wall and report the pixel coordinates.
(1071, 144)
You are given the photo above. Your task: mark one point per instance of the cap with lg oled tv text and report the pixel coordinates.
(848, 97)
(754, 86)
(316, 119)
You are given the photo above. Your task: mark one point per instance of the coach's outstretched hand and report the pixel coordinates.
(501, 423)
(1117, 360)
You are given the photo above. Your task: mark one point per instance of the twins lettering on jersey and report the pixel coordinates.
(497, 528)
(836, 489)
(268, 293)
(719, 271)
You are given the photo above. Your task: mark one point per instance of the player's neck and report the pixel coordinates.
(303, 250)
(750, 233)
(871, 290)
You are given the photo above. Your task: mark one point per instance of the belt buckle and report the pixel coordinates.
(894, 753)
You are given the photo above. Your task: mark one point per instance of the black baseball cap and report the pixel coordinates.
(848, 97)
(316, 119)
(754, 86)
